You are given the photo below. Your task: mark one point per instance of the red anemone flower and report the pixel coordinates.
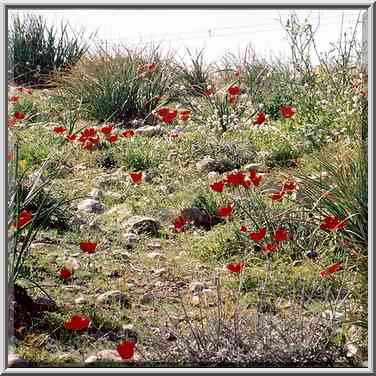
(180, 223)
(59, 130)
(88, 247)
(277, 196)
(88, 145)
(65, 273)
(289, 186)
(333, 223)
(287, 111)
(236, 267)
(107, 129)
(24, 218)
(19, 115)
(170, 117)
(256, 179)
(126, 350)
(280, 235)
(270, 248)
(77, 322)
(331, 269)
(112, 138)
(226, 211)
(71, 137)
(151, 67)
(12, 121)
(128, 133)
(257, 236)
(243, 229)
(260, 119)
(234, 90)
(184, 115)
(236, 178)
(218, 186)
(14, 99)
(136, 177)
(87, 133)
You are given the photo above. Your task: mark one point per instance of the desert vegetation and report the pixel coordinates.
(185, 214)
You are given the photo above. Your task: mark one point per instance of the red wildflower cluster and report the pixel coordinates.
(77, 323)
(167, 115)
(287, 111)
(128, 133)
(257, 236)
(333, 223)
(233, 92)
(288, 187)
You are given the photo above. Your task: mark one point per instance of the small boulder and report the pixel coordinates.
(96, 194)
(151, 131)
(130, 240)
(115, 296)
(90, 206)
(208, 164)
(141, 225)
(156, 255)
(147, 298)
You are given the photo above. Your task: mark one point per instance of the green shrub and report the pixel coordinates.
(37, 50)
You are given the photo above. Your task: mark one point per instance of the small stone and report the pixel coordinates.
(114, 195)
(197, 287)
(130, 240)
(149, 175)
(160, 271)
(90, 206)
(115, 296)
(154, 244)
(151, 131)
(96, 194)
(80, 300)
(15, 360)
(205, 164)
(147, 298)
(104, 356)
(156, 255)
(91, 359)
(140, 225)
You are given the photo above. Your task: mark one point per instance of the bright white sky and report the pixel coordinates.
(216, 30)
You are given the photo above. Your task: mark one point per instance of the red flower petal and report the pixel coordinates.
(180, 223)
(281, 235)
(112, 138)
(14, 99)
(287, 111)
(236, 267)
(218, 186)
(24, 218)
(233, 90)
(136, 177)
(277, 196)
(260, 119)
(236, 178)
(226, 211)
(126, 350)
(19, 115)
(259, 235)
(128, 133)
(88, 247)
(65, 273)
(243, 229)
(71, 137)
(331, 269)
(59, 130)
(77, 322)
(107, 129)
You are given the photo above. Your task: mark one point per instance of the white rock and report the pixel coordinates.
(140, 224)
(197, 287)
(80, 300)
(130, 240)
(150, 131)
(154, 244)
(156, 255)
(115, 296)
(16, 360)
(90, 206)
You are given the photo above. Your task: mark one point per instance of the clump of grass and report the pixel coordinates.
(37, 50)
(119, 85)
